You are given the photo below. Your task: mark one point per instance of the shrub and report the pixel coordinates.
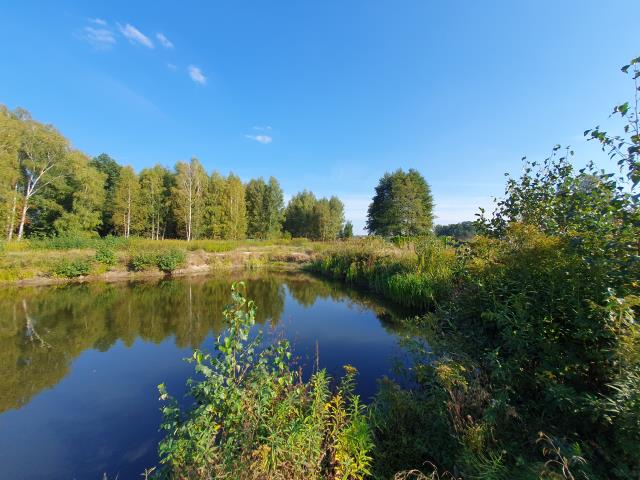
(71, 268)
(142, 261)
(105, 255)
(170, 260)
(63, 242)
(253, 417)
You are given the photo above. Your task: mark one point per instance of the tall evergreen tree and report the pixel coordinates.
(401, 206)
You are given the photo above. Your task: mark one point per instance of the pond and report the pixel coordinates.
(80, 364)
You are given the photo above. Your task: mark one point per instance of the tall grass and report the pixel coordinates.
(415, 274)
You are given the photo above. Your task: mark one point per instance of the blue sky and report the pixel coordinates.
(324, 95)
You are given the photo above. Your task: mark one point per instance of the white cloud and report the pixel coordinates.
(196, 75)
(172, 66)
(262, 128)
(264, 139)
(98, 21)
(135, 36)
(99, 37)
(164, 41)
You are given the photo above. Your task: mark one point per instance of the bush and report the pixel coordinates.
(63, 242)
(142, 261)
(105, 255)
(254, 418)
(71, 268)
(171, 260)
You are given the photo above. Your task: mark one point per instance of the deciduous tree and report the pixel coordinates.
(401, 206)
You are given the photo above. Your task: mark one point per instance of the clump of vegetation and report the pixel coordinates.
(166, 261)
(142, 261)
(105, 255)
(71, 268)
(463, 231)
(254, 417)
(401, 206)
(544, 382)
(170, 260)
(417, 275)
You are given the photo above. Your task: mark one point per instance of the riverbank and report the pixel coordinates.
(39, 263)
(500, 387)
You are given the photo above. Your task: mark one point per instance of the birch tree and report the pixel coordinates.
(126, 202)
(189, 198)
(155, 199)
(41, 154)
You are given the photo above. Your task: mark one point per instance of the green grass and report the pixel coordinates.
(416, 274)
(45, 257)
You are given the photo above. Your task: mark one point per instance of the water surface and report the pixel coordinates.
(79, 364)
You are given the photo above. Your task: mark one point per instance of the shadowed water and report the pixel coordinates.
(79, 364)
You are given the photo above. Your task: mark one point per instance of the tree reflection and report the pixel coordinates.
(43, 329)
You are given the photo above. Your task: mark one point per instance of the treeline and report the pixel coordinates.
(48, 188)
(460, 231)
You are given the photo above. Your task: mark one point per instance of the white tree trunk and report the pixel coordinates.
(23, 218)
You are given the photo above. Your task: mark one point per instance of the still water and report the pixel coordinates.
(79, 364)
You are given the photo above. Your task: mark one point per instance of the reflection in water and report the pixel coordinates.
(43, 329)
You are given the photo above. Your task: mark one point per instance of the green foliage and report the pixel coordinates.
(62, 242)
(463, 231)
(254, 417)
(347, 230)
(105, 255)
(624, 147)
(531, 369)
(402, 205)
(418, 275)
(309, 217)
(71, 268)
(49, 189)
(166, 261)
(106, 165)
(143, 261)
(170, 260)
(265, 208)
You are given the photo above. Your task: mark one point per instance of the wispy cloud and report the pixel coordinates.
(164, 41)
(196, 75)
(172, 66)
(97, 21)
(135, 36)
(260, 129)
(99, 37)
(264, 139)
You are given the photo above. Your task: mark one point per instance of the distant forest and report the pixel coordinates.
(49, 188)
